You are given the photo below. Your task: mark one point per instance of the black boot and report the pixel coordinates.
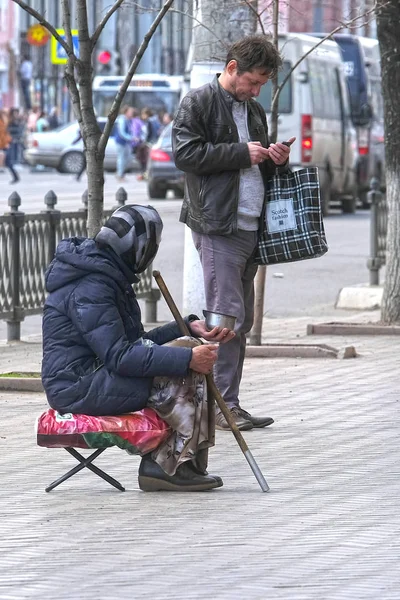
(152, 478)
(195, 469)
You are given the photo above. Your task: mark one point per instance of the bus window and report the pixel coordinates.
(165, 101)
(285, 97)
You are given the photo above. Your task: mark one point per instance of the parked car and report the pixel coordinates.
(57, 149)
(162, 173)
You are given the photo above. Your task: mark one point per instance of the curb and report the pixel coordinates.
(21, 384)
(352, 329)
(291, 351)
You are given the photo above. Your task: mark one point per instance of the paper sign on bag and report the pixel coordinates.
(280, 216)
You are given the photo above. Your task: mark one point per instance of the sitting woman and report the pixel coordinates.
(98, 360)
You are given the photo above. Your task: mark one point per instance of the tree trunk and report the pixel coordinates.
(389, 39)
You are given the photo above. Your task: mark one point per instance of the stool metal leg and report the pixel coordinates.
(96, 469)
(85, 462)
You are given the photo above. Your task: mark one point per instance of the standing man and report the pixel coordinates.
(220, 140)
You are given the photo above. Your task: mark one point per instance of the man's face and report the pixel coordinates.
(246, 85)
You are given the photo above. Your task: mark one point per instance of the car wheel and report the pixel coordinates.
(326, 195)
(363, 198)
(72, 162)
(179, 194)
(349, 205)
(155, 191)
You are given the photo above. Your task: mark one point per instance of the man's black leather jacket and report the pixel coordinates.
(206, 147)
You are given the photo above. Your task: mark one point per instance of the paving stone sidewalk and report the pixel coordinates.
(328, 530)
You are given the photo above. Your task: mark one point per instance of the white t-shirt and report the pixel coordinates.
(26, 69)
(251, 187)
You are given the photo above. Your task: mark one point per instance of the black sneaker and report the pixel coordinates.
(243, 424)
(255, 421)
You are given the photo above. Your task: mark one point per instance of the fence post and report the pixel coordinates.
(374, 262)
(17, 222)
(54, 217)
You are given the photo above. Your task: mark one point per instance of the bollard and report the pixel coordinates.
(150, 306)
(121, 197)
(85, 200)
(374, 262)
(17, 222)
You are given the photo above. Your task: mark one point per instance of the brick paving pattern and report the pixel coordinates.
(328, 530)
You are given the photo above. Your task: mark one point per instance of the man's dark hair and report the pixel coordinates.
(255, 52)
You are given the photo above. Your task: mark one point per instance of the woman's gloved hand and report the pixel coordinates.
(203, 358)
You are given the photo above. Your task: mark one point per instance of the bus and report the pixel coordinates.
(361, 58)
(160, 93)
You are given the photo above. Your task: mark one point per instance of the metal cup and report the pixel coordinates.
(214, 319)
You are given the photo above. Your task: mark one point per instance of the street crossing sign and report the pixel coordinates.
(58, 54)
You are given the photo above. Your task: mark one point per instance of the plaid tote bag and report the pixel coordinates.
(292, 227)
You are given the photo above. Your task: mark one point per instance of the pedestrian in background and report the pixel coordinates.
(220, 140)
(151, 131)
(5, 138)
(42, 123)
(136, 125)
(25, 72)
(15, 130)
(166, 119)
(54, 120)
(123, 140)
(33, 116)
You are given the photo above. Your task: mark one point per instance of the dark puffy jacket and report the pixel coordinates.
(206, 146)
(91, 322)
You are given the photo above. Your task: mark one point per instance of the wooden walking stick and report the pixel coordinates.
(212, 387)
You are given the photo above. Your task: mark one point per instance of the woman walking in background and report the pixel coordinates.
(5, 137)
(10, 131)
(123, 140)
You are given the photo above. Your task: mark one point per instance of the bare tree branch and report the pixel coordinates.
(258, 15)
(34, 13)
(131, 71)
(345, 25)
(104, 21)
(193, 18)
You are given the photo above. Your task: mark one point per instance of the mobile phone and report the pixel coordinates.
(287, 143)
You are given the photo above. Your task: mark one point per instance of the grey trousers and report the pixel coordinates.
(228, 272)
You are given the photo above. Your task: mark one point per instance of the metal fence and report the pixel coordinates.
(378, 231)
(27, 246)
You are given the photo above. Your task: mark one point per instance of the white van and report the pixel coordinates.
(314, 107)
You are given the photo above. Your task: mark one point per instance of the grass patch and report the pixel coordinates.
(21, 375)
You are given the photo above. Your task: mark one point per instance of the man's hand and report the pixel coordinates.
(203, 358)
(279, 152)
(257, 152)
(218, 334)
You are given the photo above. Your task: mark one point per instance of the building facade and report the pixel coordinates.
(120, 39)
(9, 54)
